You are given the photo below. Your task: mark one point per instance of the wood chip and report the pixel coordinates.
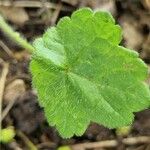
(14, 90)
(16, 15)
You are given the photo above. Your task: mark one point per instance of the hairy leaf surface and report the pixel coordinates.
(82, 74)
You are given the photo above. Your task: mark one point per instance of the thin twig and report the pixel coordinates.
(56, 13)
(46, 144)
(14, 145)
(27, 141)
(111, 143)
(2, 86)
(6, 49)
(7, 109)
(33, 4)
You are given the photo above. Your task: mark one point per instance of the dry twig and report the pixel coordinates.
(6, 49)
(2, 85)
(7, 109)
(111, 143)
(55, 14)
(32, 4)
(27, 141)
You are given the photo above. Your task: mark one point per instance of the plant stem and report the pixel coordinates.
(27, 141)
(15, 36)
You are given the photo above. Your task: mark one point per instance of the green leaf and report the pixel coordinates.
(83, 75)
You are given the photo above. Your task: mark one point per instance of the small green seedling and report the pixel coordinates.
(83, 75)
(7, 134)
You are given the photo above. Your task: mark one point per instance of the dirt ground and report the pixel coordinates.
(20, 107)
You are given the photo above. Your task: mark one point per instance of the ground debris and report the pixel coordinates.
(16, 15)
(26, 113)
(14, 90)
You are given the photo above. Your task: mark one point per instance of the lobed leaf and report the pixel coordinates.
(83, 75)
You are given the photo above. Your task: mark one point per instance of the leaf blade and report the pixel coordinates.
(83, 75)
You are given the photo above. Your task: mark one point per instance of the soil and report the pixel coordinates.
(25, 115)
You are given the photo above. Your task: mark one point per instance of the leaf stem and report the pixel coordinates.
(15, 36)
